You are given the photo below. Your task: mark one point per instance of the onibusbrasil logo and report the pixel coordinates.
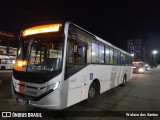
(21, 114)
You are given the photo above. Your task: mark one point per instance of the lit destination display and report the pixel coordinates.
(41, 29)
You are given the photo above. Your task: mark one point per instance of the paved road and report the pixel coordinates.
(141, 93)
(5, 88)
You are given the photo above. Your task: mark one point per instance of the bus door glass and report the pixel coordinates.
(76, 56)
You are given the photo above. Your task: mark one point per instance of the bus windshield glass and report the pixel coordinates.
(40, 53)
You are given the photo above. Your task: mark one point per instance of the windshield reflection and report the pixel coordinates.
(42, 54)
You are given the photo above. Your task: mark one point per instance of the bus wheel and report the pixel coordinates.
(2, 68)
(124, 80)
(92, 91)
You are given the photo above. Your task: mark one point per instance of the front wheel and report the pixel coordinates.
(92, 91)
(93, 94)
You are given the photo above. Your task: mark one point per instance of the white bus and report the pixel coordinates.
(61, 64)
(6, 62)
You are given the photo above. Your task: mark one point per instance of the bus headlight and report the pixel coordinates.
(141, 70)
(19, 64)
(52, 86)
(148, 68)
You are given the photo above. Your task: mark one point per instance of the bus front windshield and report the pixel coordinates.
(41, 53)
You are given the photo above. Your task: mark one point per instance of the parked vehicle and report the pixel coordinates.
(138, 67)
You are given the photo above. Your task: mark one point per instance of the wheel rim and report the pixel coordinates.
(92, 92)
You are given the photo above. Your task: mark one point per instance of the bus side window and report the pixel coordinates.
(82, 50)
(107, 55)
(119, 58)
(95, 57)
(123, 59)
(70, 52)
(115, 55)
(111, 56)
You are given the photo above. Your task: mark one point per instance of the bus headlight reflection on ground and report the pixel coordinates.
(52, 86)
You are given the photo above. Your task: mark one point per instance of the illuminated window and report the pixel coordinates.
(95, 57)
(107, 55)
(111, 56)
(119, 58)
(101, 54)
(115, 57)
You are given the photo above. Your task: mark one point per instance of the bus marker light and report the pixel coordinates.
(82, 91)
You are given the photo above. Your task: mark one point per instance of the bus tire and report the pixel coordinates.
(94, 91)
(124, 80)
(2, 68)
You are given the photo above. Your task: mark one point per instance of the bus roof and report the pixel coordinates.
(98, 38)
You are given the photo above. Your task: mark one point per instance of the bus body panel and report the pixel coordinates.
(109, 77)
(51, 101)
(28, 88)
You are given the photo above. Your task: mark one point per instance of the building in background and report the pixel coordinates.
(142, 51)
(138, 48)
(7, 44)
(8, 50)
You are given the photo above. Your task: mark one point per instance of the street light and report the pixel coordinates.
(132, 56)
(154, 53)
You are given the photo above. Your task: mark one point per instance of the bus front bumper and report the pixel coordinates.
(51, 101)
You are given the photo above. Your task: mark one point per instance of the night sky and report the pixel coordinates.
(114, 21)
